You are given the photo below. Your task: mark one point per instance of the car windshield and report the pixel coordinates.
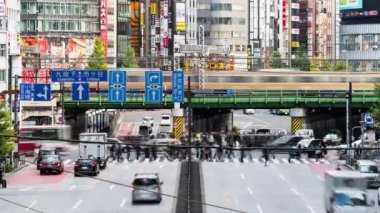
(369, 169)
(344, 199)
(47, 152)
(49, 158)
(282, 140)
(145, 182)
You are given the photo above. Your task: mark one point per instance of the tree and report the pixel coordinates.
(98, 59)
(302, 62)
(276, 60)
(6, 128)
(341, 66)
(375, 109)
(327, 66)
(314, 65)
(130, 60)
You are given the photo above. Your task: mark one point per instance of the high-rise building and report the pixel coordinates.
(10, 59)
(123, 28)
(57, 34)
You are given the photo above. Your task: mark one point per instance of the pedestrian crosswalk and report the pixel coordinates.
(256, 160)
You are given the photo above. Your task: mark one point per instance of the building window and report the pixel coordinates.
(2, 50)
(2, 75)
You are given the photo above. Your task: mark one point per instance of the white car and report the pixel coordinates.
(249, 111)
(166, 120)
(148, 120)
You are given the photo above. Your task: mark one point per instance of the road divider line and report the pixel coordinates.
(242, 176)
(259, 208)
(250, 191)
(77, 204)
(112, 186)
(72, 187)
(311, 209)
(123, 203)
(26, 189)
(282, 177)
(31, 205)
(295, 192)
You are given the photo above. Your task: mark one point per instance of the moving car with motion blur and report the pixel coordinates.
(42, 153)
(51, 163)
(371, 168)
(146, 188)
(148, 120)
(283, 144)
(84, 167)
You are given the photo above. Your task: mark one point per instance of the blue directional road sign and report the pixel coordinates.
(80, 92)
(153, 87)
(25, 92)
(368, 120)
(79, 75)
(178, 85)
(117, 86)
(42, 92)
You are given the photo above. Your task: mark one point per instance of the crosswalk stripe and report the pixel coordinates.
(245, 160)
(276, 161)
(324, 161)
(295, 161)
(284, 160)
(255, 160)
(305, 161)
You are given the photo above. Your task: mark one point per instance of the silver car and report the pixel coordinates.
(146, 188)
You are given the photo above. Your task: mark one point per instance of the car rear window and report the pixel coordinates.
(145, 182)
(85, 162)
(47, 152)
(165, 117)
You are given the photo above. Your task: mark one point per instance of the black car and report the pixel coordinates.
(85, 167)
(42, 153)
(51, 163)
(313, 145)
(284, 143)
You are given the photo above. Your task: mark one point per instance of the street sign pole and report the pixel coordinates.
(189, 106)
(16, 123)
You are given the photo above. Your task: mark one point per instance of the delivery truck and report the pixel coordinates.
(94, 146)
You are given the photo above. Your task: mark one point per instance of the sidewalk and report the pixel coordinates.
(19, 168)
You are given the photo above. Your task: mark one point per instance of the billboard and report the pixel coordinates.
(180, 16)
(368, 11)
(350, 4)
(55, 53)
(104, 23)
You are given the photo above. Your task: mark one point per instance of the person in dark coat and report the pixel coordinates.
(265, 156)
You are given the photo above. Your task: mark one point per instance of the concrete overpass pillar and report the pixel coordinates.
(297, 119)
(178, 122)
(212, 120)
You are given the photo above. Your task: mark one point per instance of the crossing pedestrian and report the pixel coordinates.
(265, 156)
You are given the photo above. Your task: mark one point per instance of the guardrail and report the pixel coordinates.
(237, 99)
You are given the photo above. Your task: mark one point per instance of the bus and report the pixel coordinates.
(30, 146)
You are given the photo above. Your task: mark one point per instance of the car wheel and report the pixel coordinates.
(76, 175)
(41, 172)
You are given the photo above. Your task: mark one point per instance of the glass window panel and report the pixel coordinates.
(32, 8)
(24, 7)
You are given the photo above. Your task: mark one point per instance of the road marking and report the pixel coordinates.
(325, 161)
(160, 166)
(67, 161)
(236, 201)
(321, 178)
(242, 176)
(72, 188)
(146, 160)
(311, 209)
(246, 160)
(236, 160)
(77, 204)
(295, 192)
(250, 191)
(31, 205)
(259, 120)
(112, 186)
(276, 161)
(255, 160)
(282, 177)
(26, 189)
(295, 161)
(126, 167)
(284, 160)
(123, 203)
(259, 208)
(305, 161)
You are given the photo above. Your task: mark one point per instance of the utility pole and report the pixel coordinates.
(349, 114)
(189, 108)
(16, 124)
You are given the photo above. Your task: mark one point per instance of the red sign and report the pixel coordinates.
(28, 76)
(104, 23)
(284, 21)
(43, 76)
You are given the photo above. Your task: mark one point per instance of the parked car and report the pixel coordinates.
(85, 167)
(42, 153)
(333, 138)
(146, 188)
(148, 120)
(165, 120)
(51, 163)
(249, 111)
(371, 168)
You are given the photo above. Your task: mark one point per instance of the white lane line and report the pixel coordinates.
(26, 189)
(282, 177)
(295, 192)
(250, 191)
(305, 161)
(77, 204)
(112, 186)
(123, 203)
(259, 208)
(67, 161)
(311, 209)
(242, 176)
(31, 205)
(72, 187)
(284, 160)
(160, 166)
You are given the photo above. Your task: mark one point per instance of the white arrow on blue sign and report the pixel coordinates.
(368, 120)
(80, 92)
(153, 87)
(42, 92)
(117, 86)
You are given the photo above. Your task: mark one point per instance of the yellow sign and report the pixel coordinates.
(295, 44)
(153, 8)
(180, 26)
(141, 20)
